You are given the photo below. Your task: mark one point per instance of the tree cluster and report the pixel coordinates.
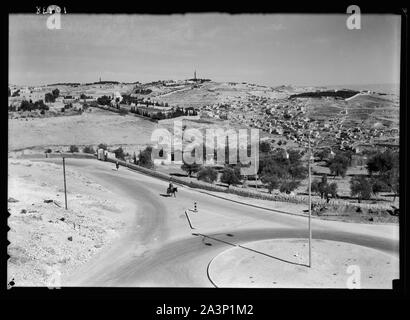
(282, 170)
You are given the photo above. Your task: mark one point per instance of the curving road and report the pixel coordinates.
(160, 249)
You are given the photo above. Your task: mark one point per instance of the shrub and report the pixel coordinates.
(73, 148)
(55, 93)
(89, 149)
(231, 176)
(119, 153)
(265, 147)
(288, 186)
(361, 187)
(338, 165)
(145, 158)
(104, 100)
(191, 168)
(272, 182)
(207, 174)
(333, 189)
(102, 146)
(49, 97)
(383, 162)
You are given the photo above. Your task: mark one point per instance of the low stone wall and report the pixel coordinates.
(76, 155)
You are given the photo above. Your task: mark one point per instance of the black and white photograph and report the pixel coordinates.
(203, 150)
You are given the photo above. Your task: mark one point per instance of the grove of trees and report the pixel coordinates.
(30, 106)
(282, 170)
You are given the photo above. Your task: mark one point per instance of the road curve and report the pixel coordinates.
(160, 249)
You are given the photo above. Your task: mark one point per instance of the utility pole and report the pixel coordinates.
(65, 187)
(310, 203)
(256, 174)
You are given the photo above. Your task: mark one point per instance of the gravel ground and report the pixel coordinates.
(47, 241)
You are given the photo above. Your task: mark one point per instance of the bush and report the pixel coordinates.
(102, 146)
(383, 162)
(207, 174)
(333, 189)
(338, 165)
(231, 176)
(145, 158)
(89, 149)
(272, 182)
(119, 153)
(55, 93)
(288, 186)
(361, 187)
(73, 148)
(265, 147)
(104, 100)
(191, 168)
(49, 97)
(123, 112)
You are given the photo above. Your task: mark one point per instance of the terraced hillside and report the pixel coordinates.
(362, 110)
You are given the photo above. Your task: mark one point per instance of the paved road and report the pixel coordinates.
(160, 249)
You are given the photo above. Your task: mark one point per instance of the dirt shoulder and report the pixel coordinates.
(48, 242)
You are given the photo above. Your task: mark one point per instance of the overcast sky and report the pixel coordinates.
(263, 49)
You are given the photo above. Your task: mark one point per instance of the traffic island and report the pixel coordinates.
(283, 263)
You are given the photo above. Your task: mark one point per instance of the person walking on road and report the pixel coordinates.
(171, 188)
(117, 165)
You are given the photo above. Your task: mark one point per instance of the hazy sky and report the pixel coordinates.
(264, 49)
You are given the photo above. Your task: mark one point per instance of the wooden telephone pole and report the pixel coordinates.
(65, 187)
(310, 203)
